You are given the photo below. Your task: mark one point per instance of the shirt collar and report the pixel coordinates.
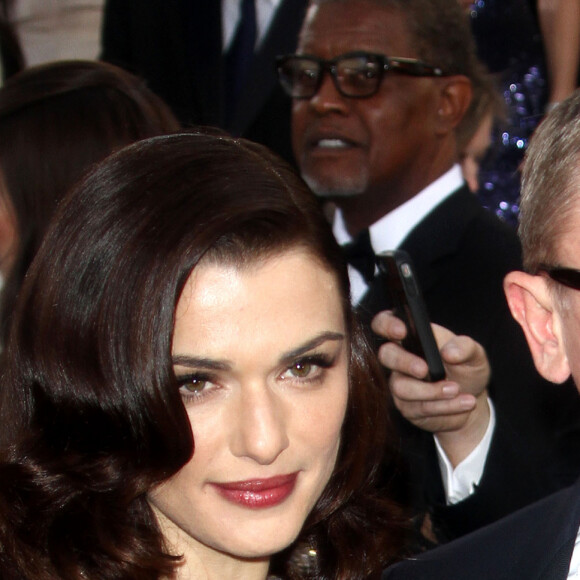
(388, 232)
(265, 11)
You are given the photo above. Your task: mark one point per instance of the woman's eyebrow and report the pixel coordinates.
(311, 344)
(220, 365)
(200, 362)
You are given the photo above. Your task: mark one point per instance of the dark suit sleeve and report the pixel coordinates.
(514, 476)
(534, 543)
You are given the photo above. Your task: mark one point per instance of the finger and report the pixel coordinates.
(443, 424)
(442, 335)
(387, 325)
(396, 358)
(437, 410)
(463, 350)
(412, 390)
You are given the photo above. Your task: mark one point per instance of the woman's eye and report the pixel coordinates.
(301, 370)
(307, 370)
(194, 388)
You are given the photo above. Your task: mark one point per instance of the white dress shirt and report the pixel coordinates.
(393, 228)
(387, 234)
(265, 10)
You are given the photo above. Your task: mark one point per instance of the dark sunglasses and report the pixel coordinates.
(356, 74)
(566, 276)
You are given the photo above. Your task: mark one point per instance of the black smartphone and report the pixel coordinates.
(408, 304)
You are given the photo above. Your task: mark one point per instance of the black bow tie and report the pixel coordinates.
(360, 255)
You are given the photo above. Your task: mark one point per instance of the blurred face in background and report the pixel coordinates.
(364, 146)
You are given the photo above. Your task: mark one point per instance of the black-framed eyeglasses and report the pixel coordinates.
(569, 277)
(356, 74)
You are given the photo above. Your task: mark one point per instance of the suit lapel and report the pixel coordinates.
(434, 238)
(558, 567)
(438, 235)
(547, 557)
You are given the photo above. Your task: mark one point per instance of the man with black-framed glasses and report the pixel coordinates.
(541, 541)
(379, 88)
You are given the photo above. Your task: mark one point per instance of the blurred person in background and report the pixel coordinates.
(56, 121)
(212, 61)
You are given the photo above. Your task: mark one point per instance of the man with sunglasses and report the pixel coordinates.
(379, 88)
(541, 541)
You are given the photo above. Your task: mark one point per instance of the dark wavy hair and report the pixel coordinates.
(56, 121)
(90, 408)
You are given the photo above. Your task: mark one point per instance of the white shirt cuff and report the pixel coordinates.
(460, 483)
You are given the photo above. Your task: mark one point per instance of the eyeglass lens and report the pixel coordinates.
(354, 76)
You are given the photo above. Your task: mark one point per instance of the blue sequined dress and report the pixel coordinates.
(509, 43)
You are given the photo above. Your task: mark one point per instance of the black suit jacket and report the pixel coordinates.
(535, 543)
(176, 45)
(462, 253)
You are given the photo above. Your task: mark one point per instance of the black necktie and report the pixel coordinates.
(240, 54)
(360, 255)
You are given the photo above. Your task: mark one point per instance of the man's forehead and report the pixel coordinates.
(338, 27)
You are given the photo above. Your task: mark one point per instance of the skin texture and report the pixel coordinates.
(258, 408)
(370, 155)
(549, 321)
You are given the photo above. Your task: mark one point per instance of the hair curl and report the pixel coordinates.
(89, 407)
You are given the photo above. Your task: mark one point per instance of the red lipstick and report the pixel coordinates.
(258, 493)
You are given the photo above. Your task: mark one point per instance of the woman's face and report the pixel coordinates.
(261, 356)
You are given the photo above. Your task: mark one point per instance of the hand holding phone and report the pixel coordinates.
(408, 304)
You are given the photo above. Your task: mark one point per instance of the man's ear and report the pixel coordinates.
(532, 305)
(455, 98)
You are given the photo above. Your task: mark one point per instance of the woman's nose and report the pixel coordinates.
(259, 430)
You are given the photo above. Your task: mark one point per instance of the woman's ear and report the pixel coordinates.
(532, 305)
(454, 99)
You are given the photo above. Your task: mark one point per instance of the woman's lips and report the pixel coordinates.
(258, 493)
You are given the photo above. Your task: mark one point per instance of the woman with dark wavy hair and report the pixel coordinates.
(56, 120)
(186, 393)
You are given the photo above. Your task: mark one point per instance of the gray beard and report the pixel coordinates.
(350, 187)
